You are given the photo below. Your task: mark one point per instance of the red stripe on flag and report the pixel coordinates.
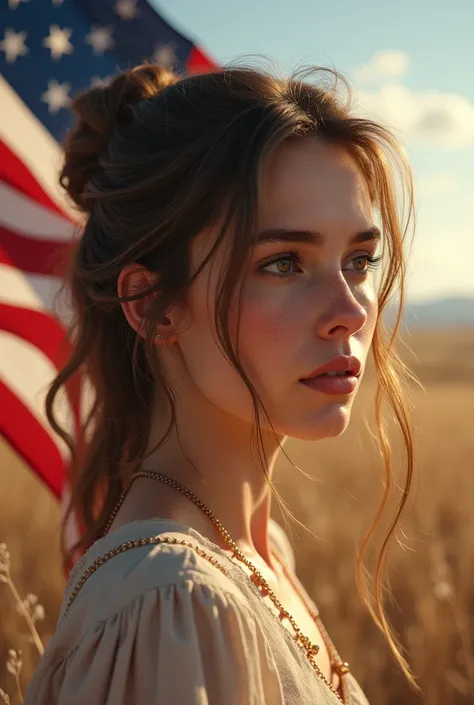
(17, 174)
(35, 256)
(198, 62)
(46, 333)
(40, 452)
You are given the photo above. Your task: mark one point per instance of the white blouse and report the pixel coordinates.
(162, 625)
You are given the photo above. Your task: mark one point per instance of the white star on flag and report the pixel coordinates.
(126, 9)
(13, 45)
(100, 39)
(165, 55)
(13, 4)
(99, 81)
(58, 41)
(56, 96)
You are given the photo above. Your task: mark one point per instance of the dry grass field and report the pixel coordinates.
(432, 572)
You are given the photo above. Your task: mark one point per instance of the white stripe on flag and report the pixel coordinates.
(33, 291)
(20, 214)
(32, 143)
(31, 385)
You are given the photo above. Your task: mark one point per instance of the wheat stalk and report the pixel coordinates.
(31, 611)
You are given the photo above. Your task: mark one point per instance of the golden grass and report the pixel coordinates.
(431, 575)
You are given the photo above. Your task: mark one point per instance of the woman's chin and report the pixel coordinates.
(328, 423)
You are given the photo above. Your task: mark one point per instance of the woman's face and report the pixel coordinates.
(304, 302)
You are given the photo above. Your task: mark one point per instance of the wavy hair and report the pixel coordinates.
(153, 159)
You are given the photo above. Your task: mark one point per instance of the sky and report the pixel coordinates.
(410, 64)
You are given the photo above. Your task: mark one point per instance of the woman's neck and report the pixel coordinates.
(211, 457)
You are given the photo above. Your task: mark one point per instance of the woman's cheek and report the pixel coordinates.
(372, 301)
(267, 313)
(369, 300)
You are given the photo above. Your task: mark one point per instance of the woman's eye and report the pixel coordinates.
(363, 263)
(283, 265)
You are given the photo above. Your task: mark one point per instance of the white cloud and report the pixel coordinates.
(441, 119)
(383, 64)
(441, 263)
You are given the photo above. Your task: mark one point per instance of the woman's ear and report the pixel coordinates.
(132, 279)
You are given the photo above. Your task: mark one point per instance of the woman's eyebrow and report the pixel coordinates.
(312, 237)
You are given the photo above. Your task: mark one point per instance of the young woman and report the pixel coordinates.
(225, 299)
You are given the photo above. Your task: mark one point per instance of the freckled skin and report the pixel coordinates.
(320, 308)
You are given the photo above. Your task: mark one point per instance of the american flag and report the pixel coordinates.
(49, 51)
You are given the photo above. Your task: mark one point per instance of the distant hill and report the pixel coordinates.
(440, 312)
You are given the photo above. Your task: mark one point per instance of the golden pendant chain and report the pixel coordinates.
(257, 578)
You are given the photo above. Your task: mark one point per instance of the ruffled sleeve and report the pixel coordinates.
(186, 643)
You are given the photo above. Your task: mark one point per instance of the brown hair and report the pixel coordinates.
(153, 160)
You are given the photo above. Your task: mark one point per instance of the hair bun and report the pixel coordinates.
(99, 111)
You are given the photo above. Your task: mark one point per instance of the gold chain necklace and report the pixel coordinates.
(257, 578)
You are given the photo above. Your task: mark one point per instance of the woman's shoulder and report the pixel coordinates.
(138, 557)
(166, 602)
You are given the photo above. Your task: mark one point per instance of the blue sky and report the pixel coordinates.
(411, 64)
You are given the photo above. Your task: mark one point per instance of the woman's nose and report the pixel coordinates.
(343, 315)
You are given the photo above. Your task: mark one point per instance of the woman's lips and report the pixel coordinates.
(332, 384)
